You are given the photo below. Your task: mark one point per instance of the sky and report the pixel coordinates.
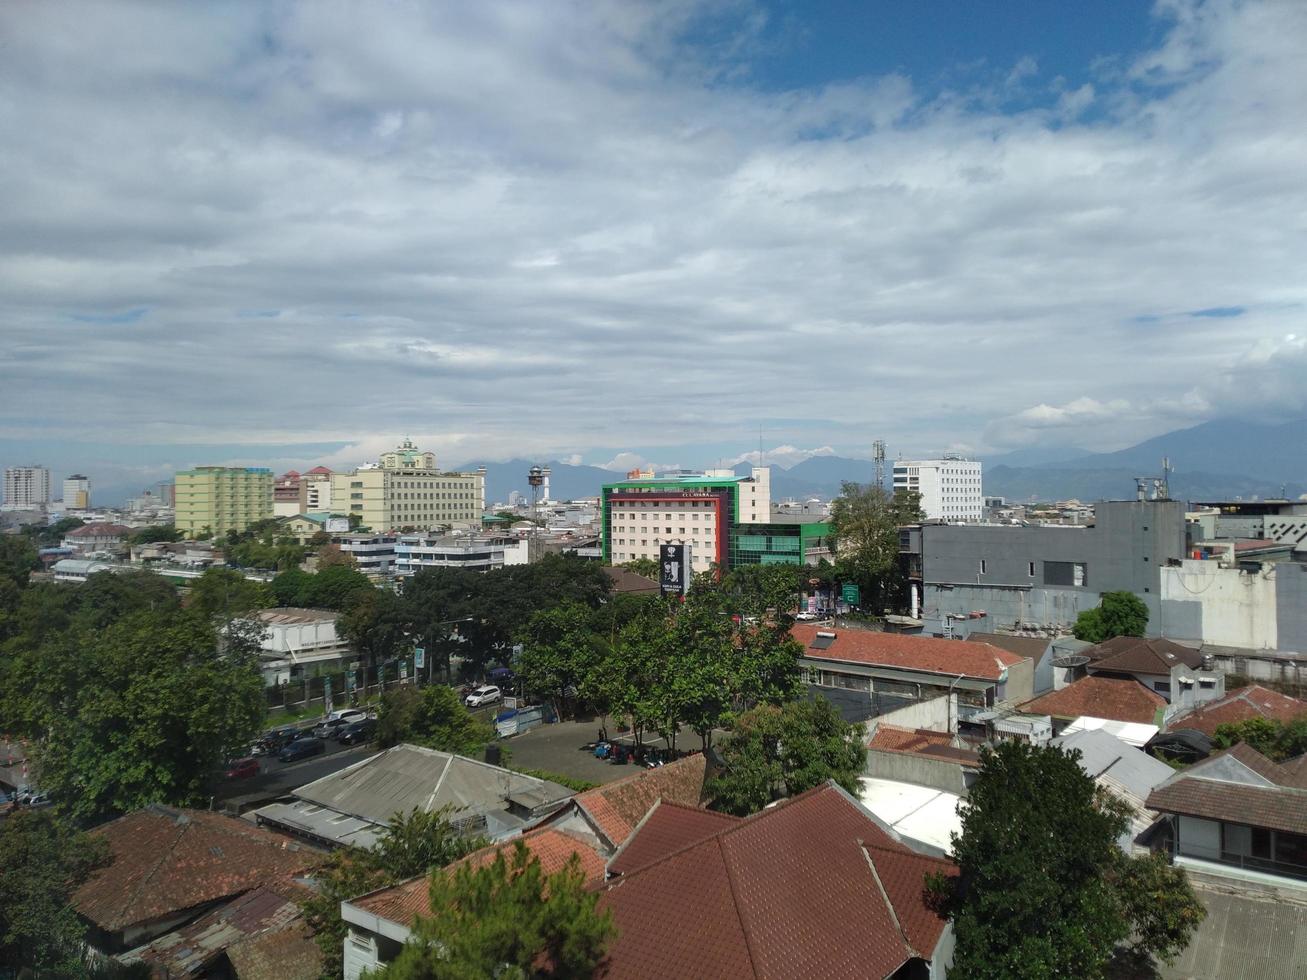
(289, 233)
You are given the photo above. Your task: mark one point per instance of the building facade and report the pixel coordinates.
(77, 493)
(698, 509)
(218, 499)
(26, 487)
(950, 488)
(407, 490)
(483, 553)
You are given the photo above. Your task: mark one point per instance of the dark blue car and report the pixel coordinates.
(302, 748)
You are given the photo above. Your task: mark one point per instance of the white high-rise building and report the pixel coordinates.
(26, 487)
(77, 493)
(950, 487)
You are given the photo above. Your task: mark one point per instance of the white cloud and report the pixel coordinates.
(783, 456)
(531, 230)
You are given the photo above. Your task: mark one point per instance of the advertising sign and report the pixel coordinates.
(326, 695)
(850, 593)
(419, 658)
(674, 568)
(403, 670)
(337, 525)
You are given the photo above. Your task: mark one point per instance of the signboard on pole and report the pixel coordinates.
(419, 658)
(326, 695)
(674, 569)
(850, 593)
(403, 670)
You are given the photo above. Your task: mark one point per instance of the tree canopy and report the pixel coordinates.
(774, 752)
(507, 918)
(1118, 614)
(431, 716)
(1277, 740)
(1044, 889)
(865, 522)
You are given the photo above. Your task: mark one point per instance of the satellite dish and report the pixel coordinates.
(1071, 660)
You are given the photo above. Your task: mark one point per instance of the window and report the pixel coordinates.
(1162, 687)
(984, 567)
(1031, 566)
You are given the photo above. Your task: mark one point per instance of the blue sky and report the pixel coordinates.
(289, 233)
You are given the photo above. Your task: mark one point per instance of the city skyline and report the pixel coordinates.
(284, 235)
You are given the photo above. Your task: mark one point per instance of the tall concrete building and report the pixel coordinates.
(26, 487)
(408, 490)
(77, 493)
(698, 509)
(949, 487)
(218, 499)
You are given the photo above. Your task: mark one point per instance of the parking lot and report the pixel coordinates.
(560, 748)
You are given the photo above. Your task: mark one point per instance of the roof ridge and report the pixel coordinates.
(889, 905)
(904, 851)
(735, 901)
(164, 854)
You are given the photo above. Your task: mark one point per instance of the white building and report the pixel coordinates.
(26, 487)
(407, 491)
(373, 554)
(949, 487)
(299, 643)
(77, 493)
(481, 553)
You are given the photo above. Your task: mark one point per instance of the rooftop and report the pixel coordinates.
(616, 808)
(1117, 699)
(1242, 704)
(1139, 655)
(165, 861)
(923, 817)
(1239, 785)
(903, 652)
(915, 741)
(293, 616)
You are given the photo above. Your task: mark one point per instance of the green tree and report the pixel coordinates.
(226, 594)
(1118, 614)
(17, 558)
(42, 861)
(1043, 888)
(291, 587)
(643, 566)
(155, 533)
(1272, 738)
(865, 522)
(780, 751)
(558, 651)
(377, 625)
(338, 587)
(431, 716)
(413, 844)
(508, 919)
(141, 711)
(754, 589)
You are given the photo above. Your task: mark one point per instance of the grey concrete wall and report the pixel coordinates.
(1291, 606)
(935, 715)
(907, 768)
(1122, 551)
(1020, 684)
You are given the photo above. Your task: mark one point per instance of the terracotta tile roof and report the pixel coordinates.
(666, 828)
(1208, 790)
(617, 807)
(1243, 704)
(288, 954)
(812, 886)
(1138, 655)
(902, 652)
(404, 902)
(100, 530)
(165, 861)
(938, 745)
(1117, 699)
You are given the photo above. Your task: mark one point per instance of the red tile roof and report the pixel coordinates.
(165, 861)
(812, 886)
(288, 954)
(99, 530)
(617, 807)
(902, 652)
(404, 902)
(939, 745)
(666, 828)
(1117, 699)
(1243, 704)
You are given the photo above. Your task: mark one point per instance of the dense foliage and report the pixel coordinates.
(780, 751)
(1274, 739)
(126, 697)
(507, 918)
(414, 843)
(432, 716)
(865, 522)
(1118, 614)
(42, 861)
(1044, 889)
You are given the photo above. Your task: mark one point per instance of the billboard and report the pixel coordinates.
(674, 568)
(337, 525)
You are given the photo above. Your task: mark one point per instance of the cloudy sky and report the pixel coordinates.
(286, 233)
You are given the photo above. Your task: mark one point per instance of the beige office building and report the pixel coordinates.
(218, 499)
(407, 490)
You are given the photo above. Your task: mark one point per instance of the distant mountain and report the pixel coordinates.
(566, 482)
(1034, 457)
(1022, 484)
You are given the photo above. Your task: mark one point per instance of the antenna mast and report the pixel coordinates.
(878, 453)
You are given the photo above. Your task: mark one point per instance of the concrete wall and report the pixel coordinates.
(1291, 606)
(935, 715)
(968, 567)
(1020, 684)
(908, 768)
(1234, 608)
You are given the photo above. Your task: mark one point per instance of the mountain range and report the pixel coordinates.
(1223, 458)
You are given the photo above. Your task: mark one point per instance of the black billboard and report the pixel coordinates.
(674, 568)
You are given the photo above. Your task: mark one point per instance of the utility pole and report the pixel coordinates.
(878, 454)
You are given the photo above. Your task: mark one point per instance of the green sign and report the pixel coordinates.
(850, 593)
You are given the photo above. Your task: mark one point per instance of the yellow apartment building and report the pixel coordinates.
(407, 490)
(218, 499)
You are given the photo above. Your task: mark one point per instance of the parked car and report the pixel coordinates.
(485, 694)
(302, 748)
(243, 768)
(357, 732)
(347, 715)
(274, 740)
(805, 616)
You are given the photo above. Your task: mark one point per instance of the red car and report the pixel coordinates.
(243, 768)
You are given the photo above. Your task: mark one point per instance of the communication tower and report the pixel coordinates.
(878, 453)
